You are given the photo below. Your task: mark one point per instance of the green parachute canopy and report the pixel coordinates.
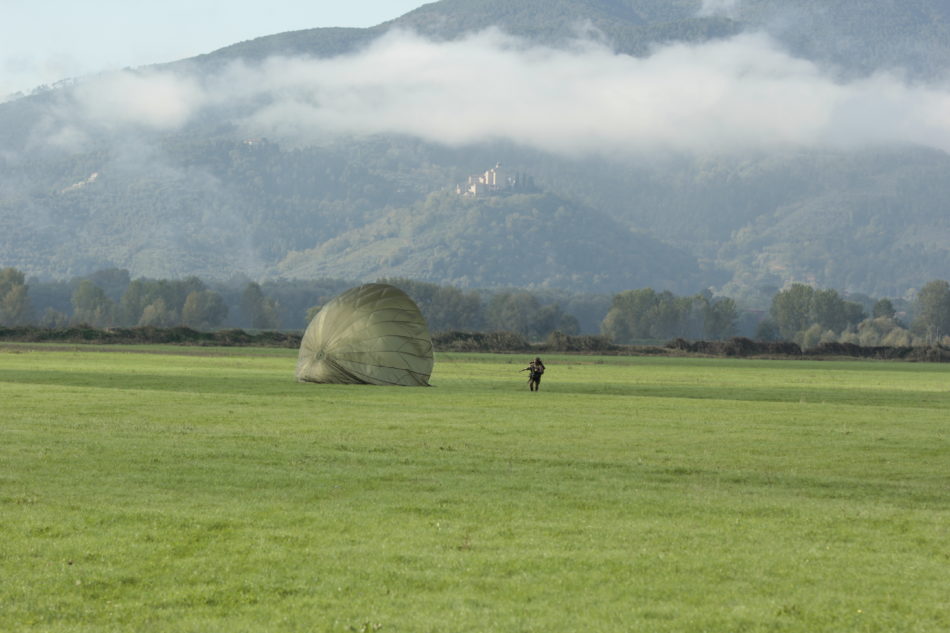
(373, 334)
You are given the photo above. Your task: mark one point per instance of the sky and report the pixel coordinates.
(44, 41)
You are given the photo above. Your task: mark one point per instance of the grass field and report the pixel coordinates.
(171, 489)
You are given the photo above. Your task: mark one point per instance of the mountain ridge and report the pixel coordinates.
(847, 34)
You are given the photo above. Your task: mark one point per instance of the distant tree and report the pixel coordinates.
(259, 311)
(645, 314)
(113, 281)
(444, 307)
(292, 297)
(91, 306)
(873, 332)
(56, 295)
(883, 308)
(512, 312)
(721, 316)
(551, 318)
(203, 309)
(767, 330)
(898, 337)
(933, 311)
(811, 336)
(669, 316)
(176, 292)
(849, 336)
(159, 314)
(53, 319)
(15, 307)
(853, 314)
(799, 307)
(133, 303)
(616, 327)
(827, 310)
(521, 312)
(630, 315)
(142, 293)
(791, 310)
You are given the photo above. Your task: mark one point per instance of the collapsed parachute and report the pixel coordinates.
(373, 334)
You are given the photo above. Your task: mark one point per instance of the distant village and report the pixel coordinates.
(494, 182)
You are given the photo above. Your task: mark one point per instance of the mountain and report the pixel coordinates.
(856, 36)
(333, 152)
(522, 240)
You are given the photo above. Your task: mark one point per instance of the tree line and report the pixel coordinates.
(110, 298)
(649, 315)
(810, 316)
(799, 313)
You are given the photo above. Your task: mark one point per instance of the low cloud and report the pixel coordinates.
(723, 96)
(159, 101)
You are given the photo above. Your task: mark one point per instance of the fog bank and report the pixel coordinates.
(744, 93)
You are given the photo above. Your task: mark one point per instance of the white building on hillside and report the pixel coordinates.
(492, 181)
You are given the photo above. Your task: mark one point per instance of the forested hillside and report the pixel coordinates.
(242, 163)
(523, 240)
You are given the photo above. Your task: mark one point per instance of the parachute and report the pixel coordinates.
(372, 334)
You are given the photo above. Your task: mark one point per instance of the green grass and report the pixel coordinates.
(169, 492)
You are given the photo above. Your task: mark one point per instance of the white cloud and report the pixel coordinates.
(736, 94)
(154, 100)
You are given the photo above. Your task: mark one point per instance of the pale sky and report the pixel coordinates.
(43, 41)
